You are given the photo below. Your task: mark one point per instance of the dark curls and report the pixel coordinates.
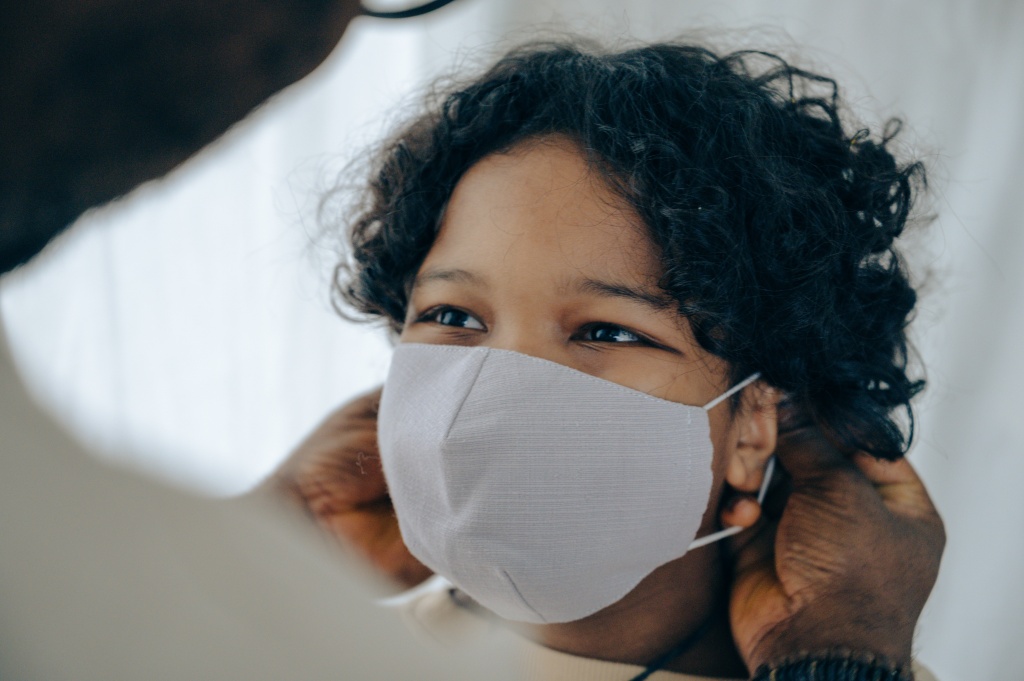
(774, 222)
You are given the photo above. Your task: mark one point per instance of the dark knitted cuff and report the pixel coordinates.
(834, 667)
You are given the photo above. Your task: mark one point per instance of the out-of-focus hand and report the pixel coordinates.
(847, 567)
(336, 476)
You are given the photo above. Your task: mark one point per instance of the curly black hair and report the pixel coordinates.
(775, 223)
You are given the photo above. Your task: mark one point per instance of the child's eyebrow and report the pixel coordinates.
(448, 274)
(658, 301)
(587, 286)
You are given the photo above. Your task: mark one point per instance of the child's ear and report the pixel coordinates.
(756, 434)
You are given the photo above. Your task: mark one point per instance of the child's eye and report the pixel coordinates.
(608, 333)
(452, 316)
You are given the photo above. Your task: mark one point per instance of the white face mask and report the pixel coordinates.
(544, 493)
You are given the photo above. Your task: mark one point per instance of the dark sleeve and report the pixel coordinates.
(832, 668)
(99, 96)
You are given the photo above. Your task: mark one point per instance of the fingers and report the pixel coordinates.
(350, 480)
(754, 549)
(806, 453)
(883, 472)
(336, 477)
(899, 486)
(754, 545)
(337, 468)
(741, 511)
(374, 535)
(363, 406)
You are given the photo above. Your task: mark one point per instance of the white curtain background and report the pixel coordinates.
(186, 330)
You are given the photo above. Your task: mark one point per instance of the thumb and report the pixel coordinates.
(753, 548)
(806, 453)
(899, 486)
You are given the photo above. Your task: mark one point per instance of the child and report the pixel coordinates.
(581, 254)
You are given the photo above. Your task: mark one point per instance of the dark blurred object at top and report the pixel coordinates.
(99, 96)
(401, 10)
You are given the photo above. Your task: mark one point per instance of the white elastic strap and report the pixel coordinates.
(732, 391)
(403, 599)
(769, 469)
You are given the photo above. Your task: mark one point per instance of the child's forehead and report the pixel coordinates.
(545, 201)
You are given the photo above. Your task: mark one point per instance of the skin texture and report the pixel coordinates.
(519, 233)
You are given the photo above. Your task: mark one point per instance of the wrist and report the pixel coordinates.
(843, 632)
(834, 664)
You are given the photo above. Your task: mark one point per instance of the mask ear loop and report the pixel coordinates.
(732, 391)
(769, 469)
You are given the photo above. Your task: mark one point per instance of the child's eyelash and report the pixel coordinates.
(431, 316)
(641, 339)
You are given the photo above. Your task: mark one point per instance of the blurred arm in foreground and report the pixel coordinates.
(99, 96)
(104, 575)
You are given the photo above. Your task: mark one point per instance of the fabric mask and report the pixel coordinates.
(546, 494)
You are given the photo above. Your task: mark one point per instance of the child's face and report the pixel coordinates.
(536, 254)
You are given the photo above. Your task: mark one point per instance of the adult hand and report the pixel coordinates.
(336, 476)
(847, 567)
